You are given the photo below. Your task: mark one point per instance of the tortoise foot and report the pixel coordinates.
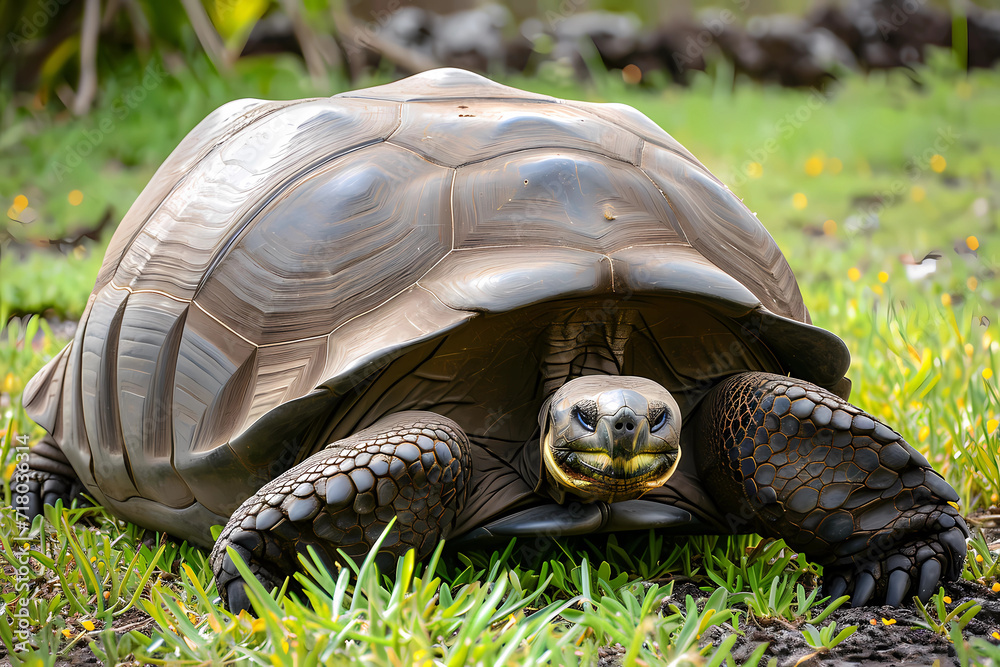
(794, 461)
(413, 466)
(47, 479)
(896, 569)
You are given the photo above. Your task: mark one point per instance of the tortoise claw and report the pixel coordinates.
(837, 587)
(899, 583)
(236, 596)
(930, 574)
(34, 505)
(863, 589)
(954, 539)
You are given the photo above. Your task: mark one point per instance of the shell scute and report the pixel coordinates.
(189, 230)
(563, 198)
(217, 128)
(460, 132)
(351, 234)
(722, 228)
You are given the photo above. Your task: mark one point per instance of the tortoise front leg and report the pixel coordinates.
(804, 465)
(414, 466)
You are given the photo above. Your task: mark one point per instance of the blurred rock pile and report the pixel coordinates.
(790, 50)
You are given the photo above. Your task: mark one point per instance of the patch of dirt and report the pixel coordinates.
(80, 654)
(988, 521)
(610, 656)
(899, 643)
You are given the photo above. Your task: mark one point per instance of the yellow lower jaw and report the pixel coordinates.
(593, 487)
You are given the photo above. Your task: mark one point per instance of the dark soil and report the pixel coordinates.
(902, 643)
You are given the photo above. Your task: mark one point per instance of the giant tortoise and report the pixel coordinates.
(486, 313)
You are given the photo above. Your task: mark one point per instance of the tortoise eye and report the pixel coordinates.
(586, 414)
(658, 417)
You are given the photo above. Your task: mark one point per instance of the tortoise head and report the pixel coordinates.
(609, 438)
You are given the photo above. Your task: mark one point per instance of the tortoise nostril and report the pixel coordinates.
(618, 426)
(630, 426)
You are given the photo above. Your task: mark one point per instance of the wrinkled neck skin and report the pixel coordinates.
(585, 346)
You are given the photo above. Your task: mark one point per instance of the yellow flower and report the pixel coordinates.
(972, 283)
(67, 633)
(991, 425)
(996, 635)
(10, 384)
(972, 242)
(75, 197)
(917, 193)
(878, 289)
(938, 163)
(88, 625)
(925, 431)
(947, 599)
(946, 299)
(987, 373)
(814, 166)
(854, 274)
(20, 203)
(969, 349)
(883, 277)
(888, 621)
(799, 201)
(755, 170)
(830, 227)
(995, 587)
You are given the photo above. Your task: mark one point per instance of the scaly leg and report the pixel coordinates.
(411, 465)
(49, 478)
(802, 464)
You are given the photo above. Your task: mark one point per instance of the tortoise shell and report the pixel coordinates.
(296, 270)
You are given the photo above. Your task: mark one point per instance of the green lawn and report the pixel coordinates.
(855, 185)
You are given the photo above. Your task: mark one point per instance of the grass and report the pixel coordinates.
(854, 185)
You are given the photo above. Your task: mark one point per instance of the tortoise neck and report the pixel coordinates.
(590, 342)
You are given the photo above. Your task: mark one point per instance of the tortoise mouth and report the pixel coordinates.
(594, 475)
